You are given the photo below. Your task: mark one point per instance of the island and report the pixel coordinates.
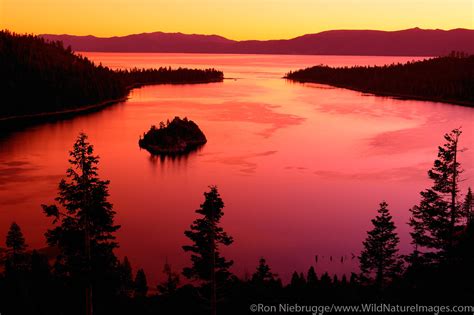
(448, 79)
(179, 136)
(44, 80)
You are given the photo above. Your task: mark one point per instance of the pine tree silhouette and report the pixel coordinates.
(380, 253)
(206, 234)
(140, 283)
(126, 278)
(263, 273)
(437, 218)
(16, 245)
(170, 285)
(85, 234)
(468, 207)
(311, 278)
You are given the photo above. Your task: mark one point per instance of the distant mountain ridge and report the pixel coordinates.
(410, 42)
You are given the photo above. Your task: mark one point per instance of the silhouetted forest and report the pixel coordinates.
(447, 79)
(85, 276)
(40, 76)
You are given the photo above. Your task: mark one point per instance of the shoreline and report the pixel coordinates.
(14, 121)
(391, 95)
(63, 114)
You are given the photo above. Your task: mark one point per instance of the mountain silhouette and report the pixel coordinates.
(410, 42)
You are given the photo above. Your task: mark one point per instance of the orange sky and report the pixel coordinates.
(235, 19)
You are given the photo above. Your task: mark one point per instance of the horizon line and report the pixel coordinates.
(240, 40)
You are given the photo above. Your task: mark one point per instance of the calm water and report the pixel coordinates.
(301, 168)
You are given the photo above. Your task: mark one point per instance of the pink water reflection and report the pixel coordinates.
(301, 168)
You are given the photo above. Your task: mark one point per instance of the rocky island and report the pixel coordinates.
(176, 137)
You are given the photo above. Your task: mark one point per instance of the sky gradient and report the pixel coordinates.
(234, 19)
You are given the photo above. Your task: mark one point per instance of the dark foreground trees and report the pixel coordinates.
(16, 246)
(442, 233)
(85, 227)
(468, 207)
(438, 218)
(207, 235)
(380, 253)
(38, 286)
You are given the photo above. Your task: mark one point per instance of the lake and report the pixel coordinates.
(301, 167)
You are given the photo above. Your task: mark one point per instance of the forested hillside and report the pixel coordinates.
(40, 76)
(447, 79)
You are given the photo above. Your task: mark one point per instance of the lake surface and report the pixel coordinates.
(301, 167)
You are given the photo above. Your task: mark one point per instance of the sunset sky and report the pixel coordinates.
(235, 19)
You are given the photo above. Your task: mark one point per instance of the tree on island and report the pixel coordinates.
(438, 217)
(206, 234)
(85, 226)
(380, 253)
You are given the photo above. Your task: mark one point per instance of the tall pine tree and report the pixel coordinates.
(263, 274)
(170, 285)
(206, 234)
(437, 218)
(380, 253)
(468, 207)
(311, 278)
(16, 246)
(126, 278)
(85, 228)
(141, 284)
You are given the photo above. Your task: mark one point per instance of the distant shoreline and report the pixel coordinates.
(13, 121)
(445, 79)
(408, 42)
(391, 95)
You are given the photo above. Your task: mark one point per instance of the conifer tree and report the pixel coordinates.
(436, 219)
(295, 280)
(344, 280)
(206, 234)
(468, 207)
(263, 274)
(141, 285)
(380, 253)
(16, 245)
(126, 277)
(311, 278)
(169, 286)
(325, 280)
(84, 231)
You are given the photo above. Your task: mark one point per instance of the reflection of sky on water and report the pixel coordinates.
(301, 167)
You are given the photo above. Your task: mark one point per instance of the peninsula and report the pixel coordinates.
(46, 80)
(447, 79)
